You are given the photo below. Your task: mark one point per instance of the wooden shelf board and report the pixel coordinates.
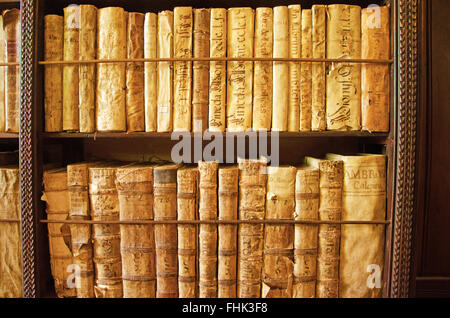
(5, 135)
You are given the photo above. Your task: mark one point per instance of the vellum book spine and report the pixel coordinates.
(134, 184)
(53, 78)
(240, 73)
(295, 51)
(279, 238)
(262, 85)
(111, 44)
(165, 209)
(187, 202)
(208, 232)
(343, 102)
(227, 250)
(2, 72)
(217, 70)
(150, 74)
(306, 72)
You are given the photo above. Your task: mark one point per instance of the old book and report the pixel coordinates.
(306, 72)
(182, 87)
(343, 102)
(239, 73)
(111, 44)
(10, 238)
(262, 85)
(208, 232)
(187, 204)
(362, 245)
(134, 184)
(11, 27)
(330, 209)
(305, 236)
(165, 72)
(318, 120)
(106, 237)
(2, 76)
(165, 209)
(150, 78)
(295, 51)
(87, 38)
(227, 253)
(375, 95)
(252, 203)
(53, 79)
(57, 208)
(217, 70)
(279, 238)
(135, 72)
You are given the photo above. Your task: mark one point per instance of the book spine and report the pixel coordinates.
(375, 85)
(165, 72)
(343, 104)
(87, 37)
(217, 70)
(227, 254)
(318, 120)
(187, 192)
(208, 232)
(11, 27)
(2, 73)
(305, 237)
(295, 51)
(262, 86)
(137, 243)
(135, 73)
(252, 191)
(306, 72)
(182, 89)
(279, 239)
(111, 44)
(239, 73)
(106, 237)
(165, 208)
(53, 79)
(150, 74)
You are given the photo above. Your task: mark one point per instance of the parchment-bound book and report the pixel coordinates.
(343, 101)
(111, 44)
(252, 204)
(53, 79)
(2, 75)
(182, 48)
(262, 85)
(57, 208)
(150, 74)
(240, 73)
(375, 87)
(295, 51)
(227, 254)
(165, 208)
(135, 73)
(87, 38)
(305, 236)
(208, 232)
(165, 72)
(217, 70)
(134, 184)
(306, 72)
(362, 245)
(279, 238)
(187, 203)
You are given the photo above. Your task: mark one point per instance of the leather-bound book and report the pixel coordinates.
(2, 74)
(295, 51)
(306, 72)
(150, 74)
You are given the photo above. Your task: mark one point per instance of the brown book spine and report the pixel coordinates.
(134, 184)
(135, 72)
(105, 207)
(375, 94)
(227, 254)
(252, 192)
(187, 192)
(295, 51)
(53, 78)
(306, 72)
(150, 74)
(165, 208)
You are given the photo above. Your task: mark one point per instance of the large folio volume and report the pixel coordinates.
(295, 45)
(134, 184)
(279, 238)
(150, 75)
(306, 72)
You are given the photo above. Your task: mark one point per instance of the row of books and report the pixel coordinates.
(172, 256)
(217, 95)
